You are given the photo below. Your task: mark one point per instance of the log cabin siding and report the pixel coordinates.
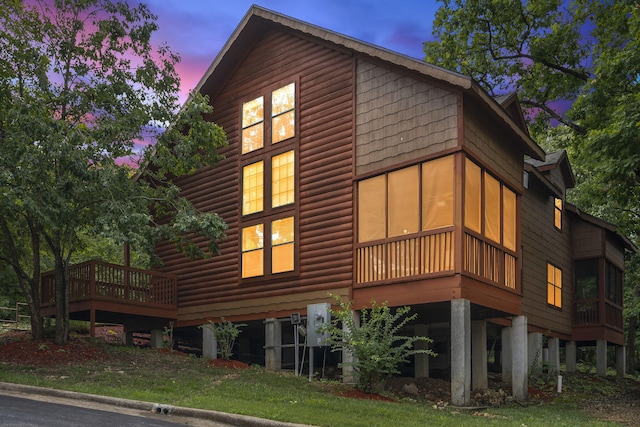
(544, 244)
(587, 240)
(399, 118)
(324, 206)
(492, 146)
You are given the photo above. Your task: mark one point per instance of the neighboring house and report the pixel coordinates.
(355, 171)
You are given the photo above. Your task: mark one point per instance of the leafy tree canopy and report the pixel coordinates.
(80, 85)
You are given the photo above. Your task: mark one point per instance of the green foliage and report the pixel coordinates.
(374, 342)
(226, 334)
(81, 85)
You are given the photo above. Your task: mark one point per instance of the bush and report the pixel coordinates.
(375, 345)
(226, 333)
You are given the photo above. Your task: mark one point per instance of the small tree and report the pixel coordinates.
(375, 345)
(225, 333)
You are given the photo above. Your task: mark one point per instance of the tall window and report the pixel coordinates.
(489, 206)
(406, 201)
(554, 286)
(557, 213)
(268, 176)
(613, 283)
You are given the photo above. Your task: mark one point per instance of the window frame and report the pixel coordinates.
(557, 213)
(555, 286)
(266, 154)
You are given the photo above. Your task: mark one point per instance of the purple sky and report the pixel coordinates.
(197, 29)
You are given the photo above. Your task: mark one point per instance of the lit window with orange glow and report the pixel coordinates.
(554, 286)
(283, 179)
(253, 251)
(253, 188)
(557, 213)
(253, 125)
(283, 117)
(282, 245)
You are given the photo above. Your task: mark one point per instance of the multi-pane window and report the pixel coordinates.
(554, 286)
(613, 283)
(406, 201)
(586, 274)
(557, 213)
(489, 206)
(268, 183)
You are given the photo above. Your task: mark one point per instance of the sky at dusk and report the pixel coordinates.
(197, 29)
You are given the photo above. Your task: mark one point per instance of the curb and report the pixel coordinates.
(221, 417)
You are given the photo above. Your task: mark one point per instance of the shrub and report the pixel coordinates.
(225, 333)
(375, 345)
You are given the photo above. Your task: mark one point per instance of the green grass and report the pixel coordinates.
(187, 381)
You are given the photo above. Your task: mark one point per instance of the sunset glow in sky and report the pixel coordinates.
(197, 29)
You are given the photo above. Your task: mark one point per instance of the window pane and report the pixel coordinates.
(509, 212)
(283, 179)
(252, 112)
(282, 251)
(252, 188)
(491, 208)
(472, 196)
(437, 193)
(404, 197)
(554, 286)
(586, 279)
(372, 209)
(283, 99)
(557, 213)
(283, 127)
(252, 251)
(252, 138)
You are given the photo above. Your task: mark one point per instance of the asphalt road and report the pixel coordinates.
(19, 411)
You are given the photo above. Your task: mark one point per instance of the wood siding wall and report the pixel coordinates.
(586, 240)
(492, 146)
(212, 287)
(399, 118)
(543, 244)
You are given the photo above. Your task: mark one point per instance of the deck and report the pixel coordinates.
(102, 292)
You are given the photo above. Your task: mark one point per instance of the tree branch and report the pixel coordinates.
(573, 125)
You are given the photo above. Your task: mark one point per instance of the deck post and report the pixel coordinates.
(349, 375)
(554, 354)
(461, 352)
(479, 351)
(157, 338)
(209, 343)
(421, 369)
(571, 356)
(601, 358)
(519, 356)
(534, 341)
(273, 344)
(92, 321)
(506, 359)
(621, 361)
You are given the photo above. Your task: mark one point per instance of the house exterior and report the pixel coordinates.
(358, 172)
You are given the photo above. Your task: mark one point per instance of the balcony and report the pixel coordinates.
(102, 292)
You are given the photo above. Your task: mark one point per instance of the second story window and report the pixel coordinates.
(557, 213)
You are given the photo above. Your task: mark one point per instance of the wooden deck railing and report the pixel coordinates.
(94, 280)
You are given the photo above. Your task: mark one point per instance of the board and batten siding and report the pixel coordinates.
(212, 287)
(399, 118)
(543, 244)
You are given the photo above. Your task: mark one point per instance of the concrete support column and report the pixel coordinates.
(621, 361)
(519, 355)
(128, 338)
(506, 359)
(601, 358)
(479, 352)
(535, 351)
(209, 343)
(554, 354)
(421, 369)
(349, 375)
(273, 344)
(571, 356)
(461, 352)
(157, 338)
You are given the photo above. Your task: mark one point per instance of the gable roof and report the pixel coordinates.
(259, 21)
(555, 160)
(604, 225)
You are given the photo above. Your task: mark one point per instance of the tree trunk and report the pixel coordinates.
(62, 301)
(632, 331)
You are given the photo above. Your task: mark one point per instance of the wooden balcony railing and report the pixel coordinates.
(94, 280)
(588, 313)
(489, 262)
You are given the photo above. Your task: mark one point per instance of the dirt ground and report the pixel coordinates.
(611, 398)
